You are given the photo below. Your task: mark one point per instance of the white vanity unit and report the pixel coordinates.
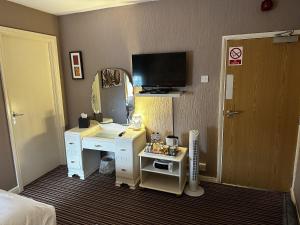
(83, 147)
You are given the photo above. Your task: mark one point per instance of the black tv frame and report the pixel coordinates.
(162, 88)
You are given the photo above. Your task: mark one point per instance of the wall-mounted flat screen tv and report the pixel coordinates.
(159, 69)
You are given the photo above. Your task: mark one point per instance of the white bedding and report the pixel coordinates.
(19, 210)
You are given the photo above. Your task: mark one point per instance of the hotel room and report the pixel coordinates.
(149, 112)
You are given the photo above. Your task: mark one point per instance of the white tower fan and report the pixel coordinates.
(193, 188)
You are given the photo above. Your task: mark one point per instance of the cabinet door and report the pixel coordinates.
(124, 165)
(73, 159)
(73, 151)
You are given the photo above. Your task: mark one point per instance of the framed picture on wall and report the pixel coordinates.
(76, 65)
(111, 77)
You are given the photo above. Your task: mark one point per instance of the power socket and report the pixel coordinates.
(202, 167)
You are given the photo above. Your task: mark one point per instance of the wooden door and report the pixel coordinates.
(27, 68)
(260, 141)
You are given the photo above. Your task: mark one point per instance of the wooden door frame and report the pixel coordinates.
(57, 95)
(225, 39)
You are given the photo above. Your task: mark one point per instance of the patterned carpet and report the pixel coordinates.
(97, 201)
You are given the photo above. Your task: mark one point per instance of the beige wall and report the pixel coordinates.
(108, 37)
(16, 16)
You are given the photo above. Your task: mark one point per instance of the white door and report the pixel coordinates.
(27, 68)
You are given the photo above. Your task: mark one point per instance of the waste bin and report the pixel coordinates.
(107, 165)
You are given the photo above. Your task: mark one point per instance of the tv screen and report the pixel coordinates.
(159, 70)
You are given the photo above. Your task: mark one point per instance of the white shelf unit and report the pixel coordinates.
(164, 180)
(173, 94)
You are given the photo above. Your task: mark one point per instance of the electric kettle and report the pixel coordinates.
(172, 140)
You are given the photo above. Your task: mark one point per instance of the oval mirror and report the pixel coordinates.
(116, 100)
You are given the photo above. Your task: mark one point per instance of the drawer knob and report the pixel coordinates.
(123, 150)
(72, 161)
(71, 143)
(123, 170)
(98, 146)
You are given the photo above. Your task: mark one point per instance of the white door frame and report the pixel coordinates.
(222, 89)
(57, 93)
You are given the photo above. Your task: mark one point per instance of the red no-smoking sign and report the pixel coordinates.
(235, 56)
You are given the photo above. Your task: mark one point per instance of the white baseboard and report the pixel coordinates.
(208, 179)
(15, 190)
(293, 198)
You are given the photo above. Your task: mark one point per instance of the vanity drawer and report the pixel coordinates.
(124, 144)
(124, 148)
(124, 151)
(73, 152)
(98, 145)
(74, 163)
(73, 158)
(73, 145)
(123, 164)
(123, 156)
(124, 172)
(72, 140)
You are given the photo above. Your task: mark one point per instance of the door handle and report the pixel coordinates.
(14, 114)
(14, 117)
(230, 113)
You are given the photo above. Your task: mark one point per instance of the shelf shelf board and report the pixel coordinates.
(150, 168)
(178, 158)
(172, 94)
(161, 183)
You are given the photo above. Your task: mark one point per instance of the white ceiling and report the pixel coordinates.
(64, 7)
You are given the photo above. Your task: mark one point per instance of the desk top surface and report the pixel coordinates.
(106, 131)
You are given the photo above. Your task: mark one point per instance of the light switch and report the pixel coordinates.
(204, 78)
